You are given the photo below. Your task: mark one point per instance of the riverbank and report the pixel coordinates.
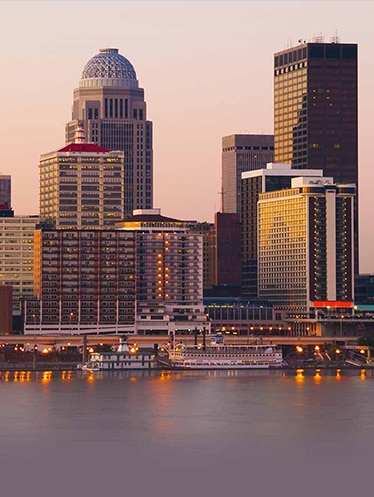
(41, 366)
(74, 366)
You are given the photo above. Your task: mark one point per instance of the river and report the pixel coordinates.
(250, 433)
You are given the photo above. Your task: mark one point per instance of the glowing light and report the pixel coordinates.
(47, 376)
(317, 377)
(300, 375)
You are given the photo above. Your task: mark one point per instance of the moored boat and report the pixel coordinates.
(124, 358)
(218, 355)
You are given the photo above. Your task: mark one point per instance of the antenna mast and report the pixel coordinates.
(221, 193)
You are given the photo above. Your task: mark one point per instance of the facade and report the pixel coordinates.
(242, 153)
(81, 186)
(169, 274)
(111, 107)
(316, 111)
(228, 250)
(84, 282)
(144, 276)
(17, 256)
(274, 177)
(238, 316)
(305, 245)
(207, 231)
(364, 289)
(5, 196)
(6, 309)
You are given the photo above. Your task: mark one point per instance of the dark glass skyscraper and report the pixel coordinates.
(111, 108)
(315, 111)
(5, 196)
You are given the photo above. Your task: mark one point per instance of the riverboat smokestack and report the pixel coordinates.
(196, 332)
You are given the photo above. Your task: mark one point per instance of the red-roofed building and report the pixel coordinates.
(82, 186)
(83, 147)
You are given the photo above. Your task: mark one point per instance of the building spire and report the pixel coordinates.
(79, 136)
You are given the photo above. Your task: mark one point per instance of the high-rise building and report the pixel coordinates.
(305, 245)
(81, 186)
(144, 276)
(242, 153)
(228, 251)
(84, 282)
(315, 111)
(274, 177)
(5, 196)
(207, 231)
(169, 273)
(111, 107)
(17, 256)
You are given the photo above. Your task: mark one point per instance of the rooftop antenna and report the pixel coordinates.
(221, 193)
(319, 38)
(335, 39)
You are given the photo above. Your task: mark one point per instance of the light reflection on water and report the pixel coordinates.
(182, 433)
(162, 376)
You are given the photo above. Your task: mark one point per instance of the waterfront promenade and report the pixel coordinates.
(19, 352)
(150, 340)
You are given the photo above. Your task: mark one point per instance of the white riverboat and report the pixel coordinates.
(218, 355)
(124, 358)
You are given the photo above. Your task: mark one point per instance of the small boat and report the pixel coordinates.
(217, 355)
(124, 358)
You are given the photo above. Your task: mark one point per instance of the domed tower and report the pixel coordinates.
(110, 107)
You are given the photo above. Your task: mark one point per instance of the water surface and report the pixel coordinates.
(202, 433)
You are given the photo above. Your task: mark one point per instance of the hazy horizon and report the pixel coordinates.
(207, 71)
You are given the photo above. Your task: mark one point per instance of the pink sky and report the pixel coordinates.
(206, 68)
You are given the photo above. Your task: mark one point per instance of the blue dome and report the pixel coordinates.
(109, 64)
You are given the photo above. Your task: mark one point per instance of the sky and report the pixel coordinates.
(207, 71)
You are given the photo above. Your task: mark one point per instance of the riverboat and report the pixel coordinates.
(124, 358)
(218, 355)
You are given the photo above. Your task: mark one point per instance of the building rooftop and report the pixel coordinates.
(109, 64)
(83, 147)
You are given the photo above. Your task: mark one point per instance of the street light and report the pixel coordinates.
(70, 318)
(299, 350)
(341, 324)
(337, 354)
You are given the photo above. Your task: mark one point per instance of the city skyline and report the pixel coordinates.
(206, 68)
